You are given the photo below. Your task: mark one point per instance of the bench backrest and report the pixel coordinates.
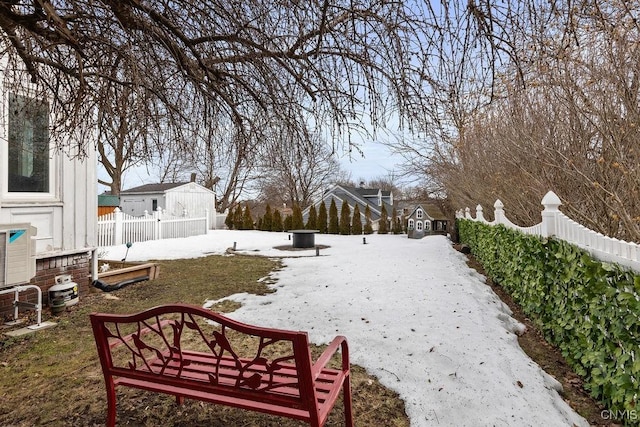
(187, 345)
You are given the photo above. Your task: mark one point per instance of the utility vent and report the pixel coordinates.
(17, 254)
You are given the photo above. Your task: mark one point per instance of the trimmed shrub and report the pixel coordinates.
(296, 219)
(267, 219)
(589, 309)
(345, 219)
(322, 218)
(333, 218)
(312, 221)
(383, 226)
(356, 222)
(368, 228)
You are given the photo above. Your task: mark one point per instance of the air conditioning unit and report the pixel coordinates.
(17, 254)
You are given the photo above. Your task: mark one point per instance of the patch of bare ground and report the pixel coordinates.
(547, 356)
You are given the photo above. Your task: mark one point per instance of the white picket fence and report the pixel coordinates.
(555, 223)
(119, 228)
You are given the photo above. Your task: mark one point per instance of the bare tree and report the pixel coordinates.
(333, 59)
(569, 123)
(296, 165)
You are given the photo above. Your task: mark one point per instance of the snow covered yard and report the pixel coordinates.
(415, 315)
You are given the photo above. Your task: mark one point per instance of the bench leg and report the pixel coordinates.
(348, 412)
(111, 405)
(179, 400)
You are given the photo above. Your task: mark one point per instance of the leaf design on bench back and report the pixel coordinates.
(222, 341)
(164, 347)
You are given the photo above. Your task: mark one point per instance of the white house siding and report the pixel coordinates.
(64, 216)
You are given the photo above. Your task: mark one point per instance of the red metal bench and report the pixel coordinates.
(187, 351)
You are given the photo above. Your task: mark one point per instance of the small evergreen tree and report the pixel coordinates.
(383, 225)
(247, 219)
(276, 223)
(404, 224)
(267, 219)
(322, 218)
(228, 221)
(396, 228)
(356, 222)
(368, 228)
(238, 218)
(296, 219)
(345, 219)
(288, 223)
(333, 218)
(312, 222)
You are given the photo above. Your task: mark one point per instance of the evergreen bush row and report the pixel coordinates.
(331, 223)
(587, 308)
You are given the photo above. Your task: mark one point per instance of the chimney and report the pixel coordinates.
(361, 184)
(193, 177)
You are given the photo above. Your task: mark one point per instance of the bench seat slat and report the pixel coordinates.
(236, 402)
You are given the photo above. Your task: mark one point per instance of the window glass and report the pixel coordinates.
(28, 145)
(419, 214)
(419, 225)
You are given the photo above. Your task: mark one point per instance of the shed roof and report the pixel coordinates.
(153, 188)
(108, 200)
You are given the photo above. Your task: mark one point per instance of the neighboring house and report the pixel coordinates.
(47, 202)
(176, 199)
(375, 198)
(425, 219)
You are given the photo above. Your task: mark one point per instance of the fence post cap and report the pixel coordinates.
(498, 204)
(551, 201)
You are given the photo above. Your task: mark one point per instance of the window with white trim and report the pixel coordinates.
(411, 224)
(419, 214)
(28, 160)
(419, 225)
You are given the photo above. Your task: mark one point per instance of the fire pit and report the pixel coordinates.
(304, 238)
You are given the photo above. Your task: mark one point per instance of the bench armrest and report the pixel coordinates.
(328, 353)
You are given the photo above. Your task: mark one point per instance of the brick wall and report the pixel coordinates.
(77, 265)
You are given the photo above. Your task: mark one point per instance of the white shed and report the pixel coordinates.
(176, 199)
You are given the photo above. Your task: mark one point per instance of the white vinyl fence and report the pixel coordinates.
(118, 227)
(555, 223)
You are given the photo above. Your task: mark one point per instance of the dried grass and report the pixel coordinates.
(53, 377)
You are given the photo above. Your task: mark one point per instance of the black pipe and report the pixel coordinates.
(109, 288)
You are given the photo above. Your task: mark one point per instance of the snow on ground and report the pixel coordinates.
(415, 315)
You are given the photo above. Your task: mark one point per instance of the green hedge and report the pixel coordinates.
(587, 308)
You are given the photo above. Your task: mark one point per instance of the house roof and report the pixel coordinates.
(356, 196)
(153, 188)
(431, 209)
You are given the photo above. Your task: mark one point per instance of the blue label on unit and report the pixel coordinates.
(15, 234)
